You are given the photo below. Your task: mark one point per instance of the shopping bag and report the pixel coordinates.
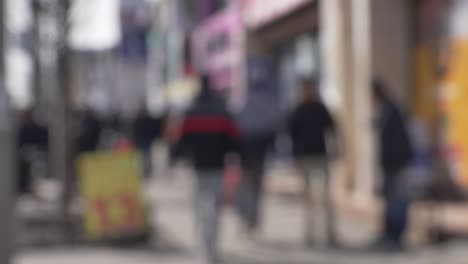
(231, 181)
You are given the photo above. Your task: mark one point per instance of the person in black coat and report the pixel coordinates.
(89, 132)
(31, 136)
(395, 154)
(145, 130)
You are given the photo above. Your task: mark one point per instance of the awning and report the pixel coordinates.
(259, 13)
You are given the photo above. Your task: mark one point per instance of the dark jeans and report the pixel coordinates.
(146, 156)
(396, 218)
(24, 182)
(396, 209)
(249, 194)
(249, 197)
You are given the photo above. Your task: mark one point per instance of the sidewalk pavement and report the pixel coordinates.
(279, 243)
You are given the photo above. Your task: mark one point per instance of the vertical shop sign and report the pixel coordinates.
(219, 49)
(454, 95)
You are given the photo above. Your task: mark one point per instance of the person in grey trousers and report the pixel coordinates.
(310, 127)
(208, 134)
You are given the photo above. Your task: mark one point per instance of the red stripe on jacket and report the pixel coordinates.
(210, 124)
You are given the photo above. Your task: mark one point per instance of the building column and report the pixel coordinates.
(346, 75)
(337, 77)
(365, 173)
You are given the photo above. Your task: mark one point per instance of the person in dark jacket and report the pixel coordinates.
(208, 135)
(394, 155)
(258, 122)
(145, 130)
(89, 132)
(32, 136)
(310, 126)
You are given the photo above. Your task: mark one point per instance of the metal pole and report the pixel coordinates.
(6, 153)
(57, 92)
(35, 5)
(62, 122)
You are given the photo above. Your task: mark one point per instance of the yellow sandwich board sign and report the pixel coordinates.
(110, 184)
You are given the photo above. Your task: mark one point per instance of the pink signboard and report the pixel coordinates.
(219, 49)
(258, 13)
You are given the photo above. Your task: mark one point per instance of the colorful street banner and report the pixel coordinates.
(454, 95)
(110, 184)
(425, 84)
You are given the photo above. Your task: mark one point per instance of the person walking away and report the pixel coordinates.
(258, 122)
(310, 127)
(395, 155)
(207, 136)
(32, 136)
(145, 130)
(89, 132)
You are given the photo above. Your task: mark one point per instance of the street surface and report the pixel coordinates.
(279, 243)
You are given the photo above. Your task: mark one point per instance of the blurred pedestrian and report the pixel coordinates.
(310, 126)
(32, 137)
(112, 131)
(172, 125)
(89, 132)
(258, 122)
(395, 155)
(208, 135)
(145, 130)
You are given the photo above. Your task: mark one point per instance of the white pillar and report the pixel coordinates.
(362, 79)
(346, 74)
(337, 77)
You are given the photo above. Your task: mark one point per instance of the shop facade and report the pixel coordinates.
(285, 35)
(418, 48)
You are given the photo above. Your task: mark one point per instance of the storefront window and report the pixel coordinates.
(306, 56)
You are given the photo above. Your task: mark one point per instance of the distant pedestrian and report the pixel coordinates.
(89, 132)
(113, 129)
(145, 130)
(258, 122)
(395, 155)
(208, 135)
(310, 126)
(31, 136)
